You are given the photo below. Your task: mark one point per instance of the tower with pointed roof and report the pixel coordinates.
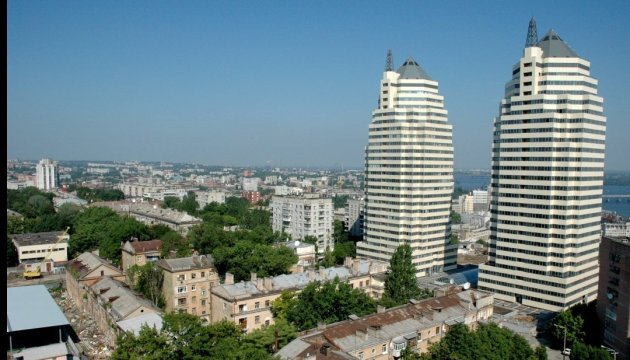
(409, 172)
(547, 177)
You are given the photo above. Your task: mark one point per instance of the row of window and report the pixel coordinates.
(548, 207)
(548, 178)
(549, 130)
(548, 216)
(550, 139)
(410, 128)
(544, 254)
(408, 151)
(557, 111)
(549, 226)
(539, 290)
(544, 235)
(552, 120)
(548, 149)
(561, 275)
(409, 143)
(405, 120)
(41, 251)
(563, 245)
(547, 168)
(401, 188)
(558, 101)
(548, 159)
(565, 83)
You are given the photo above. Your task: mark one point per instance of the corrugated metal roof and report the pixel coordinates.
(134, 325)
(32, 307)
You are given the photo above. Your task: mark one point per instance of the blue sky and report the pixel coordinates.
(277, 83)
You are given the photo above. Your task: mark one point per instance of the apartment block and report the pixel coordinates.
(354, 217)
(248, 303)
(613, 298)
(187, 284)
(301, 216)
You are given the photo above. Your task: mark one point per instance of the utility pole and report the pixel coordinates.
(564, 346)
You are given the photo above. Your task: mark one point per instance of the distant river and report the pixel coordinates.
(481, 181)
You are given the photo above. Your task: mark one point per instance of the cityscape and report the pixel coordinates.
(250, 210)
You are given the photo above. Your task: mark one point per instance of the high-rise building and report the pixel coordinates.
(301, 216)
(409, 172)
(613, 302)
(547, 177)
(47, 174)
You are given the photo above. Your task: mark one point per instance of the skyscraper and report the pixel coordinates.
(547, 177)
(47, 174)
(409, 172)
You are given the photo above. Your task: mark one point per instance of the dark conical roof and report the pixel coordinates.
(553, 46)
(411, 70)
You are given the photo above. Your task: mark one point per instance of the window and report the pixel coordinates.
(193, 275)
(242, 308)
(437, 330)
(257, 320)
(384, 349)
(194, 311)
(361, 355)
(102, 273)
(267, 303)
(203, 291)
(360, 283)
(257, 305)
(224, 306)
(181, 302)
(181, 277)
(194, 300)
(203, 274)
(203, 302)
(181, 289)
(367, 282)
(193, 287)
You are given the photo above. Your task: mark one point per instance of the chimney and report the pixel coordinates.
(311, 274)
(260, 284)
(229, 279)
(299, 269)
(380, 309)
(322, 273)
(268, 283)
(254, 276)
(355, 266)
(347, 262)
(362, 333)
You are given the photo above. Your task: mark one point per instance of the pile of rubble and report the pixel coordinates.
(91, 342)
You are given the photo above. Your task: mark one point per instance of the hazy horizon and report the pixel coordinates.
(276, 84)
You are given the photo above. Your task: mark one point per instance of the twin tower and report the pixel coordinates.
(546, 183)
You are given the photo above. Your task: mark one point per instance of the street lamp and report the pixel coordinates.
(612, 351)
(564, 345)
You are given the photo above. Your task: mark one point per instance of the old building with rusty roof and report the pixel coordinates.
(387, 333)
(140, 252)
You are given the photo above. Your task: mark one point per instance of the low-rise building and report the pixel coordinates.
(109, 302)
(41, 250)
(140, 252)
(304, 251)
(36, 327)
(187, 284)
(384, 335)
(86, 270)
(248, 303)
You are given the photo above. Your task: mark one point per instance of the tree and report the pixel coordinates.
(573, 325)
(149, 344)
(328, 302)
(541, 353)
(581, 351)
(189, 203)
(147, 279)
(265, 338)
(400, 283)
(283, 303)
(246, 257)
(12, 255)
(174, 243)
(454, 239)
(456, 218)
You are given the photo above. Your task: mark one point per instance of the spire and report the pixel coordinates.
(532, 34)
(389, 63)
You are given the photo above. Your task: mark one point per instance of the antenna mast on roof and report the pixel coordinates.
(532, 34)
(389, 64)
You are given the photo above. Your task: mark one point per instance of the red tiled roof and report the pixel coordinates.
(144, 246)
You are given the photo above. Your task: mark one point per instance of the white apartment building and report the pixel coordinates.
(354, 217)
(547, 177)
(302, 216)
(409, 172)
(206, 197)
(250, 184)
(47, 174)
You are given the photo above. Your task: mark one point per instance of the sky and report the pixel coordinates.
(278, 83)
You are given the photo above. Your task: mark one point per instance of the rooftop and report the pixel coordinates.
(410, 69)
(43, 238)
(122, 299)
(379, 328)
(32, 307)
(87, 262)
(187, 263)
(134, 325)
(138, 247)
(553, 46)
